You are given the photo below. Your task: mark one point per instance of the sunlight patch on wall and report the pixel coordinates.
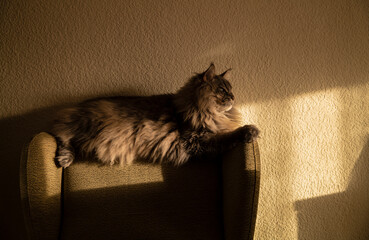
(316, 163)
(273, 118)
(354, 128)
(309, 146)
(248, 114)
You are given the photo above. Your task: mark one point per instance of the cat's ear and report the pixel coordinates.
(209, 74)
(225, 73)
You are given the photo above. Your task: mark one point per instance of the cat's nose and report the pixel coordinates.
(231, 96)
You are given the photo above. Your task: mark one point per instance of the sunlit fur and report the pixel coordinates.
(199, 118)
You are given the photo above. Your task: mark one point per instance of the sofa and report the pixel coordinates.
(215, 197)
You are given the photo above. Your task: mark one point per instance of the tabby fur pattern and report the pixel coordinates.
(198, 119)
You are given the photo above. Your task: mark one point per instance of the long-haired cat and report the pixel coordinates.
(196, 120)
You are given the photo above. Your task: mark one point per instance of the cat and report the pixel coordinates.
(198, 119)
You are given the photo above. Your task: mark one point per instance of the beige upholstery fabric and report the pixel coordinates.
(205, 199)
(143, 201)
(41, 184)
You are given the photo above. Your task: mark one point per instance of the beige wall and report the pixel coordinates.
(300, 72)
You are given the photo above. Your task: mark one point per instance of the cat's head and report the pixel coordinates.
(214, 90)
(206, 100)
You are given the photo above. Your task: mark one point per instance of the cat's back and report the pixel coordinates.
(153, 107)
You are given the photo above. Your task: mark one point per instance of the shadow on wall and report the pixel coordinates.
(342, 215)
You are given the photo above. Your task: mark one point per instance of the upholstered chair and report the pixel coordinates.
(211, 198)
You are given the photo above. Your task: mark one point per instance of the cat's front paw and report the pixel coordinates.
(250, 132)
(64, 159)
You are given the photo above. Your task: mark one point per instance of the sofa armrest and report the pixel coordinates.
(41, 186)
(241, 182)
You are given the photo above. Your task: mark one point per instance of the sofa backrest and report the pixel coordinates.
(143, 201)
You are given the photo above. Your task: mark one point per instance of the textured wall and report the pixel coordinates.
(301, 73)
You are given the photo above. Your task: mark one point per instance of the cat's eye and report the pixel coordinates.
(222, 90)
